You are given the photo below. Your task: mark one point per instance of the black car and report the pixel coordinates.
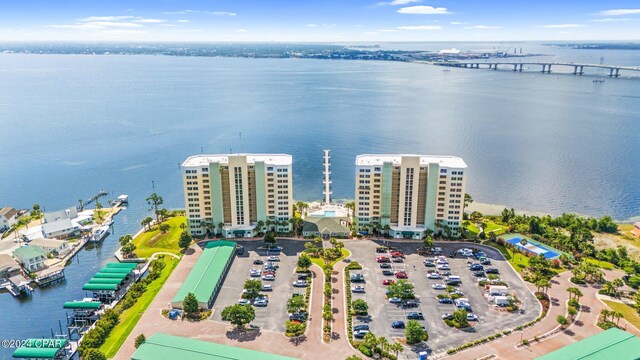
(258, 262)
(410, 304)
(298, 317)
(452, 255)
(356, 278)
(445, 300)
(387, 272)
(360, 327)
(478, 273)
(385, 266)
(415, 316)
(492, 271)
(476, 267)
(381, 249)
(397, 324)
(485, 262)
(303, 276)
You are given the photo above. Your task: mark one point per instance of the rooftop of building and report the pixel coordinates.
(610, 344)
(8, 212)
(324, 225)
(380, 159)
(48, 243)
(7, 263)
(55, 226)
(163, 346)
(270, 159)
(29, 252)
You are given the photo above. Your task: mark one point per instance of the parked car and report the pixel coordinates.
(269, 277)
(385, 266)
(415, 316)
(472, 317)
(387, 282)
(261, 302)
(429, 263)
(273, 258)
(485, 262)
(453, 255)
(478, 273)
(436, 250)
(397, 254)
(445, 273)
(401, 275)
(357, 278)
(410, 304)
(267, 288)
(382, 259)
(444, 267)
(244, 302)
(302, 317)
(387, 272)
(258, 262)
(447, 316)
(492, 271)
(272, 264)
(269, 272)
(255, 272)
(397, 324)
(438, 286)
(303, 276)
(358, 289)
(395, 300)
(434, 275)
(476, 267)
(270, 268)
(299, 283)
(480, 254)
(360, 327)
(360, 334)
(445, 300)
(381, 249)
(397, 259)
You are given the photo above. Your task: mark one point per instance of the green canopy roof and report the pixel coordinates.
(46, 343)
(82, 305)
(110, 275)
(610, 344)
(121, 265)
(163, 346)
(206, 272)
(115, 270)
(34, 352)
(407, 233)
(105, 287)
(106, 281)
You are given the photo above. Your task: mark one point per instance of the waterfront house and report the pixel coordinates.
(60, 229)
(56, 247)
(32, 258)
(636, 229)
(8, 267)
(8, 217)
(70, 213)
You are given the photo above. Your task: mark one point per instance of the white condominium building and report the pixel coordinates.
(231, 194)
(406, 195)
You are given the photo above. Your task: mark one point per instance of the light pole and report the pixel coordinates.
(153, 184)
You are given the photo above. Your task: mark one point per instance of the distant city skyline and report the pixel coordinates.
(318, 21)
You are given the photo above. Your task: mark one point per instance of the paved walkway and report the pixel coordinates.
(584, 326)
(309, 348)
(338, 302)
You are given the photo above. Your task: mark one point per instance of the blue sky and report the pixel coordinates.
(319, 20)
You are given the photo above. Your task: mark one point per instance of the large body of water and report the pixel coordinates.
(71, 125)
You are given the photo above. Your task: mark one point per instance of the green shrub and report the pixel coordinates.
(365, 350)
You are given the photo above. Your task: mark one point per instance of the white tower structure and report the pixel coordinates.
(327, 178)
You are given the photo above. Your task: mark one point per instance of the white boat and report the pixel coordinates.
(99, 234)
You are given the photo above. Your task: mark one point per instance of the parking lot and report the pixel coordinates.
(441, 336)
(273, 316)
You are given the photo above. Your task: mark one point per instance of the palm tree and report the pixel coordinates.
(605, 314)
(609, 288)
(617, 315)
(384, 344)
(220, 227)
(397, 348)
(260, 225)
(523, 242)
(155, 200)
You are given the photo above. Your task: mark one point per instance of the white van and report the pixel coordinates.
(453, 279)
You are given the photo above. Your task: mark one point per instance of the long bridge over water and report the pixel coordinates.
(578, 68)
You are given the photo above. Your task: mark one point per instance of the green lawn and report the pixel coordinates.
(601, 264)
(129, 318)
(629, 313)
(491, 226)
(153, 241)
(319, 262)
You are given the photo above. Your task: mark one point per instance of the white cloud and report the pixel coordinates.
(183, 21)
(216, 13)
(620, 12)
(370, 33)
(423, 10)
(97, 25)
(107, 18)
(563, 26)
(611, 19)
(223, 13)
(403, 2)
(242, 30)
(457, 23)
(420, 27)
(388, 30)
(482, 27)
(150, 21)
(312, 25)
(113, 24)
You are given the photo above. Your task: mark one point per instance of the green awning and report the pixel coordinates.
(46, 343)
(94, 305)
(115, 270)
(35, 353)
(121, 265)
(407, 233)
(110, 275)
(238, 232)
(103, 287)
(106, 281)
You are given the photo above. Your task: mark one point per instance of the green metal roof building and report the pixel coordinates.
(121, 265)
(205, 278)
(41, 349)
(90, 305)
(102, 275)
(163, 346)
(101, 287)
(115, 270)
(607, 345)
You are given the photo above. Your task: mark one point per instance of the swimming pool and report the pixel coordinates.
(534, 247)
(329, 213)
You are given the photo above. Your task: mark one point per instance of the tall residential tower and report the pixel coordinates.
(231, 194)
(406, 195)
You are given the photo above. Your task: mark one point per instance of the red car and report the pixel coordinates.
(401, 275)
(387, 282)
(397, 254)
(268, 273)
(382, 259)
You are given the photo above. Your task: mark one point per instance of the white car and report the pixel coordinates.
(444, 267)
(267, 288)
(244, 302)
(299, 283)
(269, 277)
(358, 289)
(273, 258)
(261, 302)
(395, 300)
(434, 275)
(442, 261)
(255, 272)
(472, 317)
(438, 286)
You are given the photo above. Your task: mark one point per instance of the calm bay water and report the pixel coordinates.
(71, 125)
